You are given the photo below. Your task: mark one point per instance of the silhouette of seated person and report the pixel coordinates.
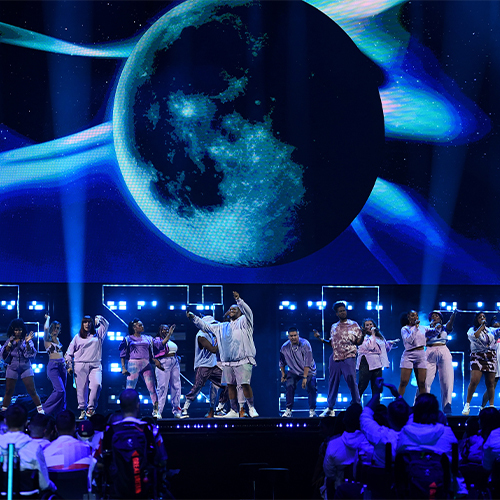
(28, 450)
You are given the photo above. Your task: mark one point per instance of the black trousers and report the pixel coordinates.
(365, 376)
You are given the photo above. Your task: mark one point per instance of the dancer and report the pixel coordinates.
(84, 358)
(296, 353)
(138, 350)
(237, 351)
(372, 356)
(168, 371)
(495, 323)
(439, 357)
(206, 369)
(345, 336)
(17, 354)
(413, 356)
(483, 358)
(56, 369)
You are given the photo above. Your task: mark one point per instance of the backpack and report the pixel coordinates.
(130, 448)
(425, 474)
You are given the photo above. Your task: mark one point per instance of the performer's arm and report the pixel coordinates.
(205, 344)
(318, 336)
(449, 325)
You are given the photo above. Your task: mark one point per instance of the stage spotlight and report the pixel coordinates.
(450, 337)
(33, 305)
(443, 305)
(369, 305)
(480, 304)
(154, 303)
(122, 305)
(475, 395)
(286, 304)
(454, 364)
(111, 304)
(115, 367)
(453, 394)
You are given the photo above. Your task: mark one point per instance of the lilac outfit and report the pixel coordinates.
(236, 345)
(439, 358)
(138, 351)
(170, 377)
(86, 355)
(491, 449)
(57, 374)
(375, 350)
(413, 337)
(19, 359)
(343, 338)
(297, 358)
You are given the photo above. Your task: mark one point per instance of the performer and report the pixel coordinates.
(237, 352)
(483, 358)
(138, 350)
(413, 356)
(206, 369)
(345, 336)
(372, 356)
(17, 354)
(56, 369)
(296, 353)
(439, 357)
(495, 323)
(168, 371)
(84, 357)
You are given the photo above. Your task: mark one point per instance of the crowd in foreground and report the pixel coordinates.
(403, 452)
(119, 457)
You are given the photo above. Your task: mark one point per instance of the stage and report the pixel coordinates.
(218, 458)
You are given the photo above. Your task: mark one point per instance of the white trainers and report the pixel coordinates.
(155, 413)
(287, 413)
(312, 413)
(252, 412)
(329, 412)
(83, 415)
(184, 413)
(230, 414)
(466, 409)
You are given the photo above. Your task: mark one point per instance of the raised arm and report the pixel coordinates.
(103, 325)
(46, 335)
(244, 308)
(449, 324)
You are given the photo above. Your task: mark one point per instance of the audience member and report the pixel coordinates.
(66, 452)
(425, 432)
(470, 447)
(489, 419)
(342, 450)
(378, 435)
(29, 451)
(41, 428)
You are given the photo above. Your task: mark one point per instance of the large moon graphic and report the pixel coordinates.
(249, 133)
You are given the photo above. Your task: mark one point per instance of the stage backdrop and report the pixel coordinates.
(249, 142)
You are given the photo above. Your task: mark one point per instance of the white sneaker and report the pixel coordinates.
(312, 413)
(177, 414)
(252, 412)
(155, 413)
(466, 409)
(287, 413)
(184, 413)
(230, 414)
(329, 412)
(83, 415)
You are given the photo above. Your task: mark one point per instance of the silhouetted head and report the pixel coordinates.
(426, 409)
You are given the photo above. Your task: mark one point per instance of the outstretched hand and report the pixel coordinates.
(316, 334)
(393, 390)
(29, 336)
(236, 295)
(379, 384)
